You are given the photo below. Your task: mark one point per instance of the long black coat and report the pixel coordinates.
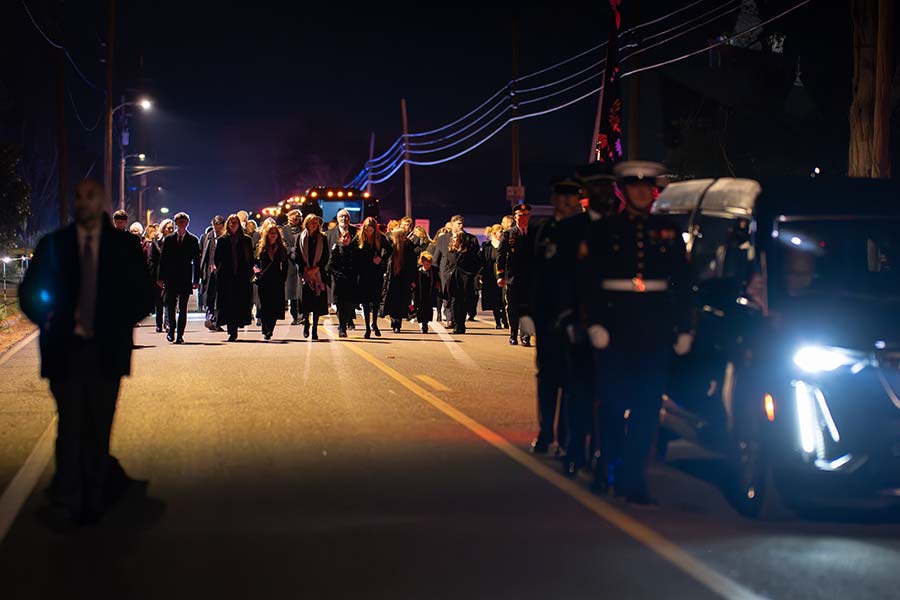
(49, 293)
(491, 293)
(424, 294)
(457, 267)
(234, 295)
(270, 283)
(292, 283)
(343, 271)
(179, 263)
(371, 276)
(310, 301)
(397, 294)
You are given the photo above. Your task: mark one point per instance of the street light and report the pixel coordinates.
(140, 157)
(6, 260)
(164, 210)
(145, 104)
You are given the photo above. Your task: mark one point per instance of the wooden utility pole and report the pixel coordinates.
(110, 47)
(371, 156)
(884, 71)
(862, 107)
(516, 156)
(406, 158)
(61, 144)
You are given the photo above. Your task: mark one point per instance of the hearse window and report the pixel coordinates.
(722, 248)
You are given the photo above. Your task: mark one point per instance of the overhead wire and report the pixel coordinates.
(78, 115)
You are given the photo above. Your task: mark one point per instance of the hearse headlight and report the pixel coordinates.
(824, 359)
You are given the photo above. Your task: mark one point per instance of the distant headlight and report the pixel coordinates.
(819, 359)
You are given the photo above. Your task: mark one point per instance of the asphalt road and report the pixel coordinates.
(385, 468)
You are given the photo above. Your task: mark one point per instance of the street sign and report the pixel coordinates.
(515, 193)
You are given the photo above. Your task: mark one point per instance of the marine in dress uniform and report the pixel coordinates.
(637, 305)
(514, 272)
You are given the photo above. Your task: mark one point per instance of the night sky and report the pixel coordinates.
(255, 101)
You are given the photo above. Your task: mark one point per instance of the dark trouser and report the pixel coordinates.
(472, 309)
(551, 379)
(295, 308)
(579, 402)
(631, 381)
(346, 310)
(370, 308)
(232, 329)
(86, 404)
(181, 299)
(461, 288)
(159, 306)
(516, 306)
(500, 317)
(268, 325)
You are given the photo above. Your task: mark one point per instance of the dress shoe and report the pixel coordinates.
(179, 340)
(368, 334)
(267, 336)
(472, 319)
(376, 330)
(295, 322)
(459, 331)
(513, 341)
(315, 334)
(306, 330)
(351, 326)
(498, 326)
(424, 327)
(232, 337)
(539, 446)
(159, 330)
(526, 341)
(342, 332)
(170, 337)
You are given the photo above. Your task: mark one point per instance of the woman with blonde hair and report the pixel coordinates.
(166, 227)
(398, 280)
(271, 271)
(311, 256)
(374, 251)
(234, 272)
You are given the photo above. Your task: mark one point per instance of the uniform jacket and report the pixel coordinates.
(514, 259)
(179, 263)
(49, 292)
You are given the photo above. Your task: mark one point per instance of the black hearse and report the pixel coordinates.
(794, 377)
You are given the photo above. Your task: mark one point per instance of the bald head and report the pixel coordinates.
(90, 203)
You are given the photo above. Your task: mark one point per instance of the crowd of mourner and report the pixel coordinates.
(599, 287)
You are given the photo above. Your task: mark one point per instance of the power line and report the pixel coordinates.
(78, 115)
(59, 47)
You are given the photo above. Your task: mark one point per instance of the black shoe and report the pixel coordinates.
(472, 319)
(513, 341)
(351, 326)
(170, 336)
(642, 501)
(232, 337)
(526, 341)
(179, 340)
(267, 336)
(498, 326)
(159, 330)
(376, 330)
(295, 322)
(539, 447)
(342, 332)
(570, 468)
(315, 334)
(424, 327)
(368, 334)
(459, 331)
(306, 330)
(258, 322)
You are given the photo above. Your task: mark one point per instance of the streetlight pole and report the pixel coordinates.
(141, 156)
(144, 104)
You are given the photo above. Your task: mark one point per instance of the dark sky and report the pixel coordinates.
(253, 98)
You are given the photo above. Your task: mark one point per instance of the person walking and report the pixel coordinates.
(312, 257)
(179, 274)
(372, 255)
(166, 227)
(399, 276)
(272, 265)
(86, 288)
(491, 293)
(342, 270)
(426, 286)
(233, 261)
(458, 259)
(292, 285)
(205, 295)
(514, 273)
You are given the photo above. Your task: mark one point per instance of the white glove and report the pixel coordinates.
(526, 326)
(599, 337)
(683, 344)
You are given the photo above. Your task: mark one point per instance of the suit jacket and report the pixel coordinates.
(207, 253)
(49, 293)
(466, 263)
(179, 263)
(515, 257)
(333, 234)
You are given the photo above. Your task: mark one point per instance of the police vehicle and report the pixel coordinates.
(325, 202)
(794, 377)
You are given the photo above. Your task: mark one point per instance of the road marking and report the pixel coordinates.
(21, 486)
(433, 383)
(19, 345)
(455, 351)
(662, 546)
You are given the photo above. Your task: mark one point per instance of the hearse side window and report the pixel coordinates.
(722, 248)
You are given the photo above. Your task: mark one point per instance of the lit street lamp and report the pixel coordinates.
(164, 210)
(145, 104)
(140, 156)
(6, 260)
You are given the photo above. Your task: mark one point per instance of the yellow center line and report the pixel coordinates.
(433, 383)
(662, 546)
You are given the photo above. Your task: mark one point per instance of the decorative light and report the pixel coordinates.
(330, 193)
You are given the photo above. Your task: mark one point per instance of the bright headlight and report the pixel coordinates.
(816, 359)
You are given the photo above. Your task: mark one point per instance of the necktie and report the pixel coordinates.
(87, 294)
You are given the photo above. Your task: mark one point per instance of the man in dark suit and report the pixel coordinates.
(458, 257)
(179, 274)
(86, 288)
(334, 236)
(514, 272)
(206, 293)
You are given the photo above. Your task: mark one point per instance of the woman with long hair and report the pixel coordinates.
(374, 250)
(234, 272)
(398, 281)
(166, 227)
(311, 256)
(342, 267)
(491, 293)
(271, 271)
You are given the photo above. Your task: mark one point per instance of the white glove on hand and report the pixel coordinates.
(526, 326)
(599, 337)
(683, 344)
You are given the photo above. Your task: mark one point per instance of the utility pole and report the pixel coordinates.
(884, 70)
(110, 47)
(516, 156)
(61, 149)
(371, 156)
(406, 158)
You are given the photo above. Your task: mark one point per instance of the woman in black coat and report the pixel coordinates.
(426, 286)
(399, 277)
(234, 274)
(458, 257)
(491, 293)
(272, 266)
(167, 227)
(373, 253)
(342, 264)
(311, 256)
